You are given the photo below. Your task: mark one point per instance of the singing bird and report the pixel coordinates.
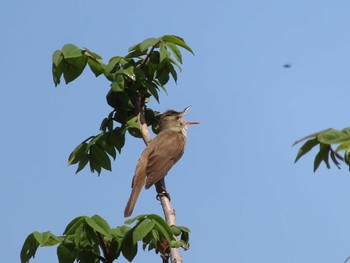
(160, 154)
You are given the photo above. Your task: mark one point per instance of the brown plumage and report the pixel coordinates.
(160, 154)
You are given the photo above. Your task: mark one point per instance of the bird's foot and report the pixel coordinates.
(163, 193)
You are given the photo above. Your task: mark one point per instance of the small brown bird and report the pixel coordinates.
(160, 154)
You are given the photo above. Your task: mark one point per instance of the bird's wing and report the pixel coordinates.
(164, 155)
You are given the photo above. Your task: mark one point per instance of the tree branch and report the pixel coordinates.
(169, 212)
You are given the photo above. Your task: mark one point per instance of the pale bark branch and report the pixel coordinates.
(169, 212)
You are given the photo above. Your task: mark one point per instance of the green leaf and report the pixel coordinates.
(95, 67)
(176, 51)
(103, 224)
(176, 230)
(177, 41)
(77, 154)
(97, 224)
(57, 57)
(78, 235)
(57, 68)
(117, 139)
(306, 148)
(94, 165)
(112, 65)
(346, 130)
(71, 51)
(83, 162)
(144, 45)
(136, 53)
(118, 85)
(172, 71)
(343, 146)
(73, 225)
(66, 253)
(129, 249)
(29, 248)
(46, 238)
(33, 241)
(142, 229)
(101, 157)
(110, 150)
(332, 136)
(347, 157)
(162, 226)
(163, 76)
(93, 54)
(322, 155)
(153, 89)
(73, 68)
(334, 157)
(163, 52)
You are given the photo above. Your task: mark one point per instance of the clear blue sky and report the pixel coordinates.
(236, 187)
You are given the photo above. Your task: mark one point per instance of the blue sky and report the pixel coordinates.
(236, 187)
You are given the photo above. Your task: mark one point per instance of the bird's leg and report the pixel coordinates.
(161, 189)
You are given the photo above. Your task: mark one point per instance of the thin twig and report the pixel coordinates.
(149, 54)
(103, 247)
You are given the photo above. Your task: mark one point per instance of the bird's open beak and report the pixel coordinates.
(184, 112)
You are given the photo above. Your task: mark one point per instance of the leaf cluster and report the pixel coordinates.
(92, 240)
(327, 140)
(135, 78)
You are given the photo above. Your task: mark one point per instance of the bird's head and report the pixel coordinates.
(174, 120)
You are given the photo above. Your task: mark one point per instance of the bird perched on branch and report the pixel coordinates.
(160, 154)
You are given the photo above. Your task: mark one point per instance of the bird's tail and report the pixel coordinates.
(136, 190)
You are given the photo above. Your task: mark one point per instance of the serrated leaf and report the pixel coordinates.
(306, 148)
(177, 41)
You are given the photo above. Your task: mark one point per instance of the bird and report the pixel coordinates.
(160, 154)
